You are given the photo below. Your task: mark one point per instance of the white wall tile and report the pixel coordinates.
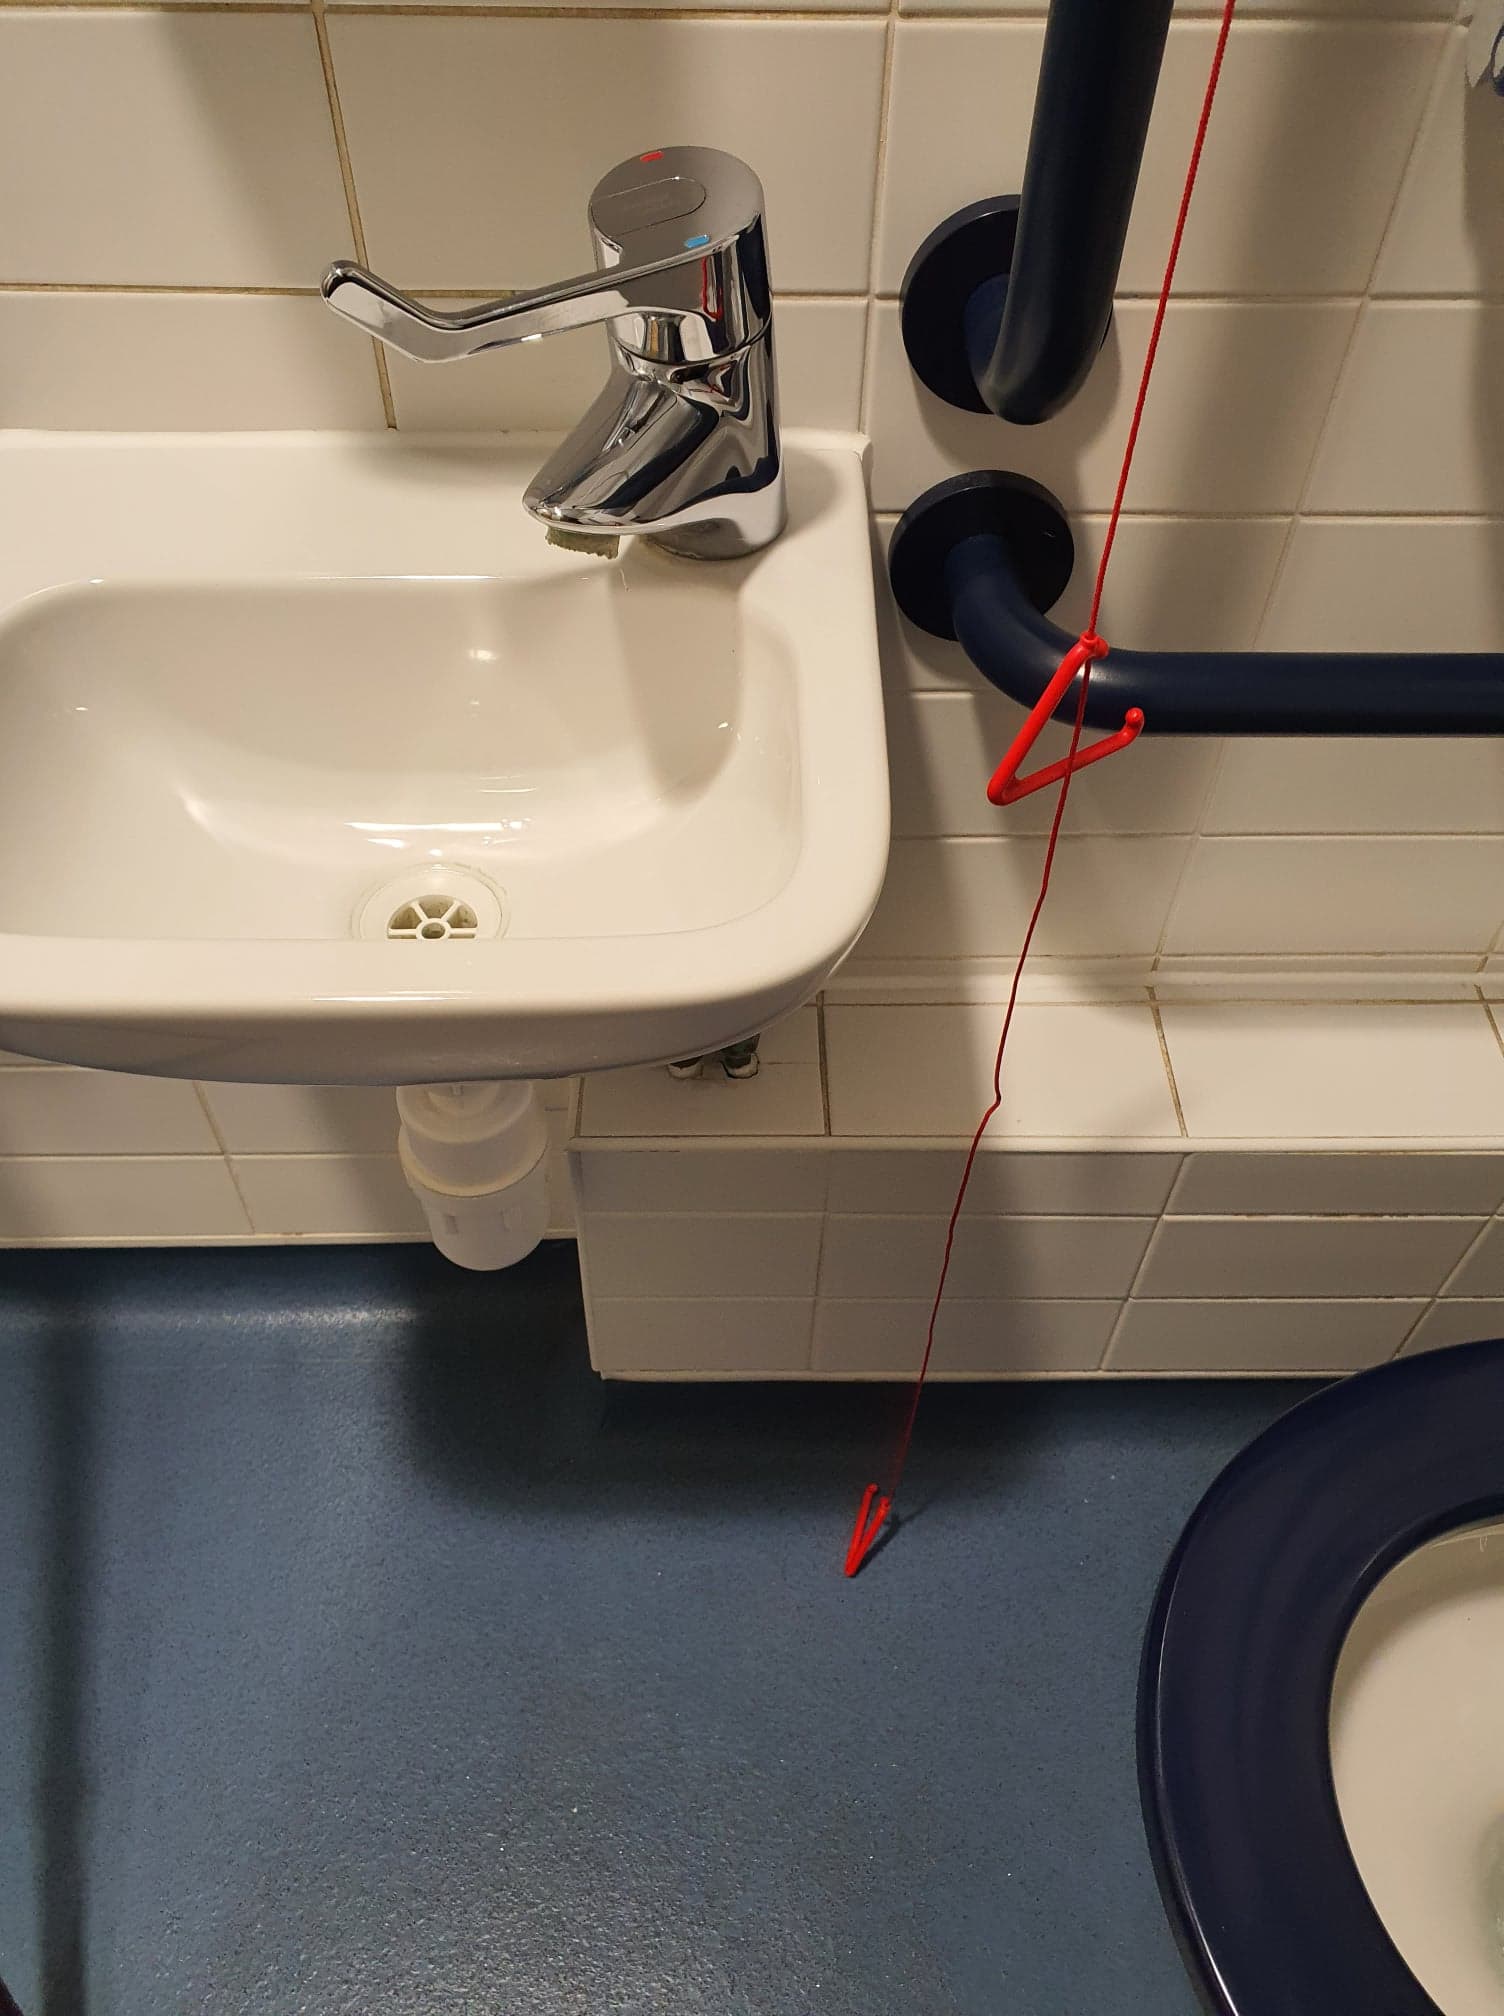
(677, 1256)
(1251, 380)
(976, 84)
(167, 149)
(748, 1339)
(1259, 1336)
(820, 346)
(784, 1097)
(530, 387)
(1400, 585)
(1447, 233)
(1380, 894)
(304, 1119)
(994, 1258)
(1456, 1323)
(1335, 1072)
(944, 746)
(1289, 199)
(46, 1112)
(474, 164)
(361, 1195)
(1176, 584)
(921, 1181)
(329, 1196)
(176, 361)
(676, 1178)
(1325, 186)
(1348, 1258)
(547, 386)
(1482, 1272)
(1416, 423)
(1090, 1071)
(1108, 897)
(885, 1340)
(1372, 784)
(76, 1198)
(1392, 1185)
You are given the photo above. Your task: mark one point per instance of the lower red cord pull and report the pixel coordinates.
(1006, 786)
(871, 1517)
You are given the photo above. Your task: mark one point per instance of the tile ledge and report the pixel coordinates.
(1189, 982)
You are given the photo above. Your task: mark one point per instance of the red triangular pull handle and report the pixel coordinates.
(871, 1517)
(1006, 786)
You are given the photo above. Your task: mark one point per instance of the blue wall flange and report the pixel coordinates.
(952, 298)
(1013, 508)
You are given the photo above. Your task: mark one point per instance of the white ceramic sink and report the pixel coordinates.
(317, 763)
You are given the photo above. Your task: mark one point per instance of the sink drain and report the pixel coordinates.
(432, 917)
(432, 904)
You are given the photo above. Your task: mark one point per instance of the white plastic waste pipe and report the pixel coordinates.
(475, 1157)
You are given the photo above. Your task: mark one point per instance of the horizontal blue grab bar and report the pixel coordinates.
(981, 557)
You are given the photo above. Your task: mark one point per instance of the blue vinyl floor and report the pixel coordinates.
(361, 1654)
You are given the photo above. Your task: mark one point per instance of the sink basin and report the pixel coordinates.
(317, 764)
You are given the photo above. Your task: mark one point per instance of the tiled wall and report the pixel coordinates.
(103, 1158)
(1323, 464)
(1168, 1188)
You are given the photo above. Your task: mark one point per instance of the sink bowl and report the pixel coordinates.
(317, 764)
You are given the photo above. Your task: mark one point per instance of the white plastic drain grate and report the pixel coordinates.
(431, 905)
(433, 917)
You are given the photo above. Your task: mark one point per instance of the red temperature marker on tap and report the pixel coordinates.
(1007, 787)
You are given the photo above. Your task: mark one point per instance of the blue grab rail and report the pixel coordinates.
(981, 558)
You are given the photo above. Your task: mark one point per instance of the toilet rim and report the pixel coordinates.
(1235, 1771)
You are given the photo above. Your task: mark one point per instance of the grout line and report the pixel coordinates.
(225, 1155)
(415, 9)
(954, 15)
(1104, 1360)
(1192, 842)
(823, 1049)
(1095, 513)
(352, 201)
(451, 9)
(1132, 1289)
(1164, 1051)
(1493, 1020)
(1440, 1294)
(879, 210)
(794, 298)
(1223, 300)
(190, 288)
(289, 9)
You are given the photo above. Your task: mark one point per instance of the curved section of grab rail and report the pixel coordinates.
(982, 557)
(1007, 302)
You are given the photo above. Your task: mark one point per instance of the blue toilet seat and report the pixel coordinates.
(1234, 1692)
